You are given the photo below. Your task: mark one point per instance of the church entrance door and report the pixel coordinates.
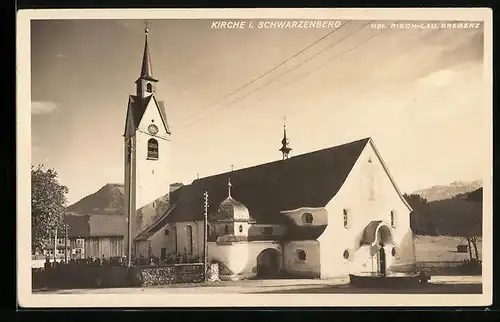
(382, 262)
(268, 263)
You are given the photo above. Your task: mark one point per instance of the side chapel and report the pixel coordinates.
(319, 215)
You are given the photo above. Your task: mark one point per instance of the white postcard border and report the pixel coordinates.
(23, 130)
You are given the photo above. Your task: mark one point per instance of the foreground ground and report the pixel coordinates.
(441, 249)
(428, 249)
(437, 285)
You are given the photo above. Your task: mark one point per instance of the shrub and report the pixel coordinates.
(223, 269)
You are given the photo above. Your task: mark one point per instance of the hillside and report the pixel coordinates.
(442, 192)
(109, 200)
(458, 216)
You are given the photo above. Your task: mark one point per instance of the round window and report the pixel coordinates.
(307, 218)
(346, 254)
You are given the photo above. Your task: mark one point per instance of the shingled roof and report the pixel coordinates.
(87, 226)
(307, 180)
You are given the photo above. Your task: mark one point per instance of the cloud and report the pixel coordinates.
(440, 78)
(38, 108)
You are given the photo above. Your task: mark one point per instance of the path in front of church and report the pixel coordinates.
(437, 285)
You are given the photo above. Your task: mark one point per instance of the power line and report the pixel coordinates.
(280, 75)
(327, 62)
(413, 40)
(272, 69)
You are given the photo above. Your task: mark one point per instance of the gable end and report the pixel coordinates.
(391, 178)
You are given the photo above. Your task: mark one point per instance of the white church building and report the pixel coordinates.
(319, 215)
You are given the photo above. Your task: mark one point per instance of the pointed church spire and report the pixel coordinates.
(285, 143)
(146, 83)
(146, 70)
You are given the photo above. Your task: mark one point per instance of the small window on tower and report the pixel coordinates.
(149, 88)
(346, 218)
(152, 149)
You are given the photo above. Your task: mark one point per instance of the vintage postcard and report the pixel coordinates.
(208, 157)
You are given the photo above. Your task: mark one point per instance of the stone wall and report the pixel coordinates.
(171, 274)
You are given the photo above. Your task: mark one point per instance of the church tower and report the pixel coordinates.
(147, 142)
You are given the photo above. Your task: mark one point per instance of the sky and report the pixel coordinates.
(419, 93)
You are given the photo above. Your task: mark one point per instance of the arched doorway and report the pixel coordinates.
(384, 237)
(268, 263)
(378, 236)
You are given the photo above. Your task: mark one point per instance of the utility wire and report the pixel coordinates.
(280, 75)
(408, 48)
(272, 69)
(327, 62)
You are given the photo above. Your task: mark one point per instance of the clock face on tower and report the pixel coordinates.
(152, 129)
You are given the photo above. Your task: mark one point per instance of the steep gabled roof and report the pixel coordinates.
(86, 226)
(137, 107)
(163, 114)
(78, 226)
(307, 180)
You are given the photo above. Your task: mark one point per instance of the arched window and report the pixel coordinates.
(346, 254)
(190, 239)
(393, 218)
(346, 218)
(226, 229)
(152, 149)
(149, 88)
(301, 255)
(307, 218)
(240, 229)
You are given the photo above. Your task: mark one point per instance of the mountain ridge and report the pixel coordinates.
(451, 190)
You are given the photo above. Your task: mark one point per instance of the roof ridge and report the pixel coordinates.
(148, 228)
(367, 139)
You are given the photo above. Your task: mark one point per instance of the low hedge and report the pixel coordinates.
(81, 277)
(65, 277)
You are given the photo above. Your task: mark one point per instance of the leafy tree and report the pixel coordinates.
(48, 200)
(416, 201)
(475, 229)
(418, 204)
(457, 216)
